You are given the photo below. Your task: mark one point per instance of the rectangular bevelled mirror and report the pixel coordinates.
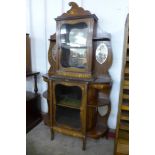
(73, 39)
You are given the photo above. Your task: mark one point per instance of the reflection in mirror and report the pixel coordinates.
(73, 57)
(73, 45)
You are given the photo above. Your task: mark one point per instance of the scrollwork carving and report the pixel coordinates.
(51, 55)
(75, 11)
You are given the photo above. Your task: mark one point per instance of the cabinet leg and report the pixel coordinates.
(84, 144)
(52, 134)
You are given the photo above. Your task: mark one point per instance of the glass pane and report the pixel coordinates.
(73, 57)
(73, 45)
(68, 95)
(68, 103)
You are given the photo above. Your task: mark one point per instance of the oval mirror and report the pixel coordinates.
(101, 53)
(103, 110)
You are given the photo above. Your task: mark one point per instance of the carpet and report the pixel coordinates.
(38, 143)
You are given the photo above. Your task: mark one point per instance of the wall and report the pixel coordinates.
(41, 24)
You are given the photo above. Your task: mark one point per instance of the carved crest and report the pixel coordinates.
(53, 37)
(75, 11)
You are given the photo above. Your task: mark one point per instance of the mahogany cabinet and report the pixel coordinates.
(78, 80)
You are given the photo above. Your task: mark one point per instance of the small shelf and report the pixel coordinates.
(68, 117)
(68, 106)
(106, 37)
(70, 103)
(68, 96)
(68, 46)
(100, 102)
(98, 131)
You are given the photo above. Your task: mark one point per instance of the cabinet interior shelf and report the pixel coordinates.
(70, 103)
(68, 46)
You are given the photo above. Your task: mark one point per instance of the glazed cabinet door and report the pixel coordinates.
(70, 105)
(74, 44)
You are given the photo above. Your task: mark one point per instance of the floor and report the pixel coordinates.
(38, 143)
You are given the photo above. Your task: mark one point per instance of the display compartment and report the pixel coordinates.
(68, 117)
(68, 104)
(74, 46)
(68, 96)
(77, 75)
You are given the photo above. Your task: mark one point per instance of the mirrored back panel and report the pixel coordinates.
(73, 39)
